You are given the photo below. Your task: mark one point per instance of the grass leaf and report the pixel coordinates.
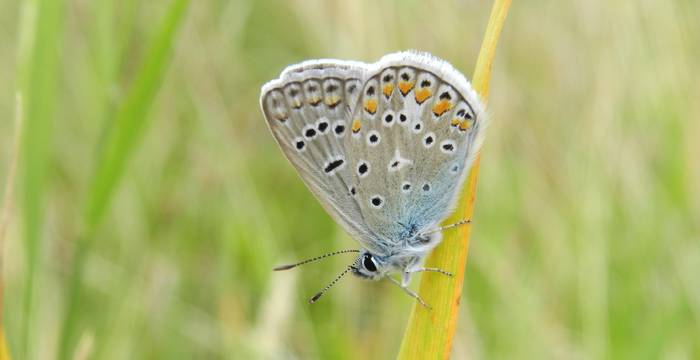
(429, 333)
(130, 120)
(38, 73)
(5, 210)
(130, 123)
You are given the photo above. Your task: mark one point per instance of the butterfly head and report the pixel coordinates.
(369, 266)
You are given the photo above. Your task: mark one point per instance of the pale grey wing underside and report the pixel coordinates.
(417, 128)
(308, 110)
(384, 147)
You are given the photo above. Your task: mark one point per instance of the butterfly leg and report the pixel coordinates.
(459, 223)
(410, 292)
(447, 273)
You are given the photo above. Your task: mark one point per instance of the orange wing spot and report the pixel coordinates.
(405, 87)
(464, 125)
(356, 126)
(422, 95)
(314, 101)
(455, 122)
(388, 88)
(371, 106)
(333, 100)
(296, 103)
(441, 107)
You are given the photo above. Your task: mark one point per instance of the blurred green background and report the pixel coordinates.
(152, 203)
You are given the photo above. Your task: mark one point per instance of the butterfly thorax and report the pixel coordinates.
(407, 255)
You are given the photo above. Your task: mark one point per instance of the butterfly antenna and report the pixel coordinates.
(320, 293)
(289, 266)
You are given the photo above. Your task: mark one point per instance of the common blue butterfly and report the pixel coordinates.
(384, 147)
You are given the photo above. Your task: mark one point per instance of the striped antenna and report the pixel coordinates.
(320, 293)
(287, 267)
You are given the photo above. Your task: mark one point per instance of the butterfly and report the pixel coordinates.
(384, 147)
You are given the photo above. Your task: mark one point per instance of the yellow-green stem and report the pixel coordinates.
(5, 217)
(429, 333)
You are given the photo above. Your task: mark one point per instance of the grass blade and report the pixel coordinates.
(41, 25)
(429, 333)
(5, 215)
(130, 123)
(130, 120)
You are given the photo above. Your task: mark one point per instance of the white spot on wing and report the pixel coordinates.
(323, 125)
(417, 127)
(299, 144)
(363, 168)
(389, 118)
(339, 128)
(309, 131)
(376, 201)
(373, 138)
(398, 162)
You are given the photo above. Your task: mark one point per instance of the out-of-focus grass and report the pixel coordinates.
(6, 211)
(584, 245)
(37, 77)
(124, 130)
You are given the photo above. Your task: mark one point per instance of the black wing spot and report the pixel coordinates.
(445, 96)
(333, 165)
(373, 138)
(352, 88)
(417, 127)
(448, 147)
(353, 191)
(388, 78)
(461, 112)
(376, 201)
(406, 187)
(370, 91)
(331, 88)
(300, 145)
(310, 133)
(429, 140)
(425, 83)
(339, 129)
(322, 126)
(402, 118)
(363, 168)
(388, 118)
(426, 187)
(405, 76)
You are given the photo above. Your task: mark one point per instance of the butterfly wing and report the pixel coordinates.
(308, 110)
(415, 132)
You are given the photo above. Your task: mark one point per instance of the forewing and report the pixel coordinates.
(415, 132)
(308, 110)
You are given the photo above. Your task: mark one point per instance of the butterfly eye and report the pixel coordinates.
(368, 263)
